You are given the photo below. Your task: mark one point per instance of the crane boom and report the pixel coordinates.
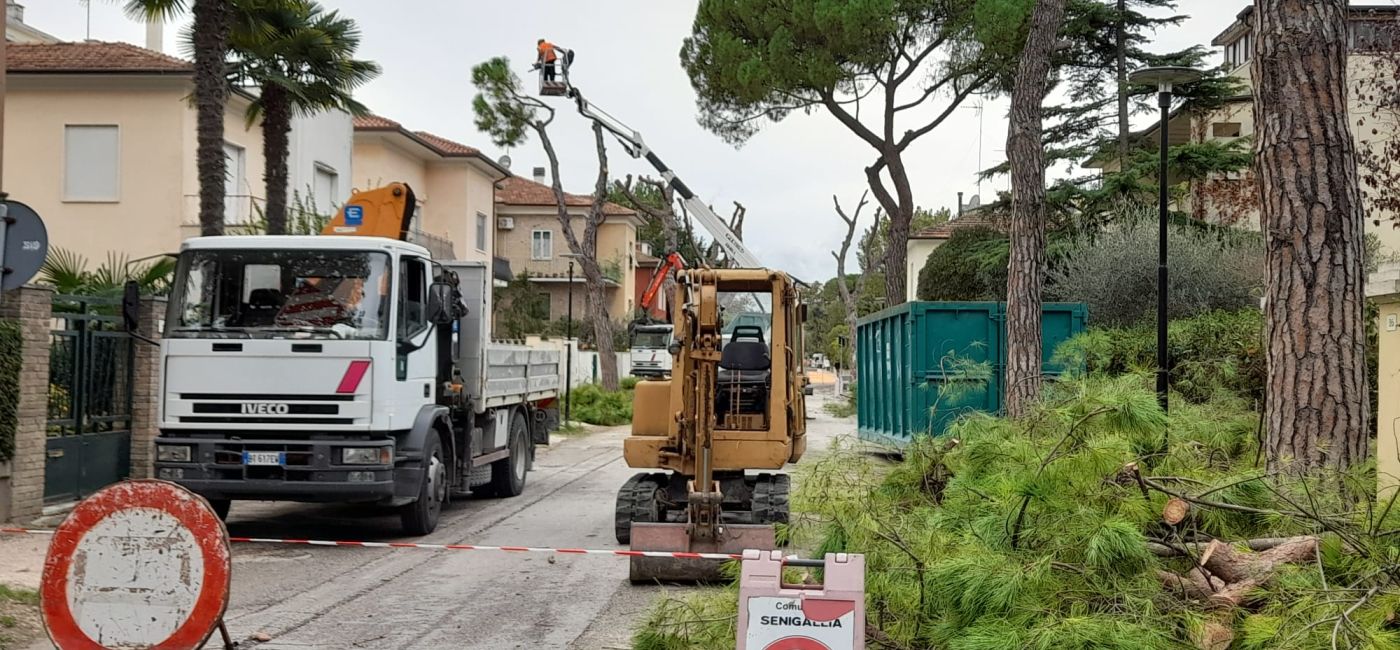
(632, 142)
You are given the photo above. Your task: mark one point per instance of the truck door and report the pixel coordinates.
(414, 367)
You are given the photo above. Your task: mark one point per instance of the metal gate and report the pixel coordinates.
(90, 378)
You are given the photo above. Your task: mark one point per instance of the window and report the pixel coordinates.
(325, 189)
(238, 206)
(413, 297)
(542, 245)
(1225, 129)
(481, 232)
(91, 163)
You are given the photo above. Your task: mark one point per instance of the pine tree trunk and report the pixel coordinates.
(1026, 153)
(900, 208)
(1120, 37)
(211, 26)
(597, 308)
(1317, 401)
(277, 127)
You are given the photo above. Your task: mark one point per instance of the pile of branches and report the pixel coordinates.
(1097, 523)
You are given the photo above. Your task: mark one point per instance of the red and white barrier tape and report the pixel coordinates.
(452, 547)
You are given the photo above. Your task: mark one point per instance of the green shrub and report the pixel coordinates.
(10, 343)
(1215, 352)
(590, 403)
(1035, 534)
(1115, 272)
(629, 383)
(971, 265)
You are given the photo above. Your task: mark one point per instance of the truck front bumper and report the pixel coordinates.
(309, 471)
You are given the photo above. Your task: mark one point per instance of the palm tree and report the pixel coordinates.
(209, 37)
(302, 59)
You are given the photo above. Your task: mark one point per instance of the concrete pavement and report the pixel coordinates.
(318, 597)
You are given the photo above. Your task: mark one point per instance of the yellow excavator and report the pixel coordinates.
(733, 403)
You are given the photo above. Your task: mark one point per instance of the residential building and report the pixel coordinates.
(16, 31)
(455, 184)
(529, 236)
(100, 141)
(923, 242)
(1372, 68)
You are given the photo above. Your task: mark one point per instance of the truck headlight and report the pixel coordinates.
(173, 453)
(365, 456)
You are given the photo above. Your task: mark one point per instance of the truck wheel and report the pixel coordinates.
(421, 516)
(508, 474)
(770, 498)
(221, 507)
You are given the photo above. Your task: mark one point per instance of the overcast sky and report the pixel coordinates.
(628, 64)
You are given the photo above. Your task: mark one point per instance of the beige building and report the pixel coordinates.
(529, 236)
(454, 184)
(100, 141)
(1231, 199)
(1383, 288)
(924, 242)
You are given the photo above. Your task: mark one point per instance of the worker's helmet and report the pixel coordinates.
(539, 42)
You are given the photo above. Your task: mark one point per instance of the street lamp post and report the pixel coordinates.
(1164, 78)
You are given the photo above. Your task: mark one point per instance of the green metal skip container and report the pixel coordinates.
(921, 365)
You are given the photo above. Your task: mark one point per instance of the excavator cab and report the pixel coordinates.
(715, 434)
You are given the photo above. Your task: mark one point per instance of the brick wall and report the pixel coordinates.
(145, 389)
(32, 307)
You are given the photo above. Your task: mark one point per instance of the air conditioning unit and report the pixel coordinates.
(505, 223)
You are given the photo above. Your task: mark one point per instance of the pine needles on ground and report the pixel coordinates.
(1050, 533)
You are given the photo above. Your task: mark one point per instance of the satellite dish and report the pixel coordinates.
(974, 202)
(504, 161)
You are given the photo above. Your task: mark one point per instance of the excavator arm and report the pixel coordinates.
(674, 262)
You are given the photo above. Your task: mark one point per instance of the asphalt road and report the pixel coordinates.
(324, 597)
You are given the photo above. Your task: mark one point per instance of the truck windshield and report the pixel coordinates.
(656, 340)
(280, 294)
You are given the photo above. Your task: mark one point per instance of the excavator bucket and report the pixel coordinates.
(674, 538)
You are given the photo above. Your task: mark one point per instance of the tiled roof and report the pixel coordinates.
(92, 57)
(447, 147)
(373, 122)
(435, 143)
(523, 191)
(972, 219)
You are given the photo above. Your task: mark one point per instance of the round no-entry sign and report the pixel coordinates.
(140, 564)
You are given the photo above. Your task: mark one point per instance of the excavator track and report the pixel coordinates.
(636, 502)
(771, 494)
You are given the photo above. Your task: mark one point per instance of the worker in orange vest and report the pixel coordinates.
(548, 54)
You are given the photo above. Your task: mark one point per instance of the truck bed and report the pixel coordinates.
(518, 373)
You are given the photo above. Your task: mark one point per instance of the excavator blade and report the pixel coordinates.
(673, 537)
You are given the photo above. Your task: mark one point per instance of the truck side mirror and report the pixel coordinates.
(440, 303)
(802, 313)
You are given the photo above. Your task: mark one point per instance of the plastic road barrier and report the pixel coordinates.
(774, 615)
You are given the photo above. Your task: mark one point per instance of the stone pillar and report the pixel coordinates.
(1383, 288)
(145, 388)
(32, 308)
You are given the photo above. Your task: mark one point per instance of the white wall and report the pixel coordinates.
(326, 139)
(585, 361)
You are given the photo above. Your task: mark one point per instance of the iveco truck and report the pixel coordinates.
(345, 367)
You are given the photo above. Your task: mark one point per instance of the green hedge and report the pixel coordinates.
(1216, 351)
(590, 403)
(10, 348)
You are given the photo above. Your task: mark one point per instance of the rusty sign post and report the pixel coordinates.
(774, 615)
(140, 564)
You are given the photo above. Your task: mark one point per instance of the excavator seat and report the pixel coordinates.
(745, 368)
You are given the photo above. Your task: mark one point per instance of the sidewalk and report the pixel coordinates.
(21, 567)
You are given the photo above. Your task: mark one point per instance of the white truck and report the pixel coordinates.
(651, 350)
(344, 369)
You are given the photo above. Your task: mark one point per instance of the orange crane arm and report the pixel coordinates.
(674, 262)
(381, 212)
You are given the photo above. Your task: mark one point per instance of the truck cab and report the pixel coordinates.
(342, 369)
(650, 350)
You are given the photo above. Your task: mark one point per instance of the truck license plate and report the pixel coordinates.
(263, 458)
